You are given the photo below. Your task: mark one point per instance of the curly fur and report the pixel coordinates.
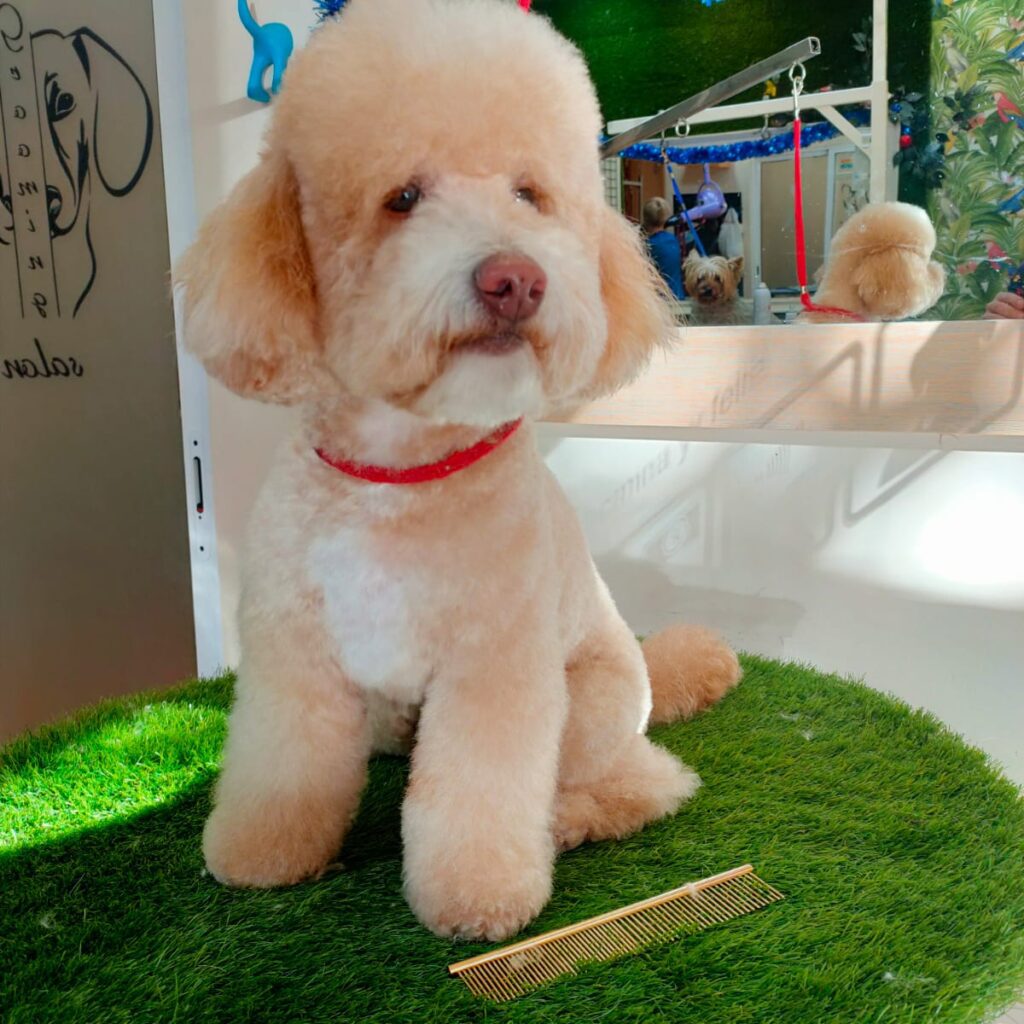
(880, 267)
(463, 618)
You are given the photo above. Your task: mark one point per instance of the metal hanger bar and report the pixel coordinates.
(726, 89)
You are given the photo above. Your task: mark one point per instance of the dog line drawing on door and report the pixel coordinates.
(96, 124)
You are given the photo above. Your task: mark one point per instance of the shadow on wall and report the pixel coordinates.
(757, 541)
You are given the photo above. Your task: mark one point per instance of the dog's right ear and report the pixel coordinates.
(250, 292)
(894, 283)
(636, 305)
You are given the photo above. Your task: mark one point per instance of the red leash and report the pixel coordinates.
(450, 464)
(798, 217)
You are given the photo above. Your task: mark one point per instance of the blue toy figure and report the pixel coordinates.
(272, 46)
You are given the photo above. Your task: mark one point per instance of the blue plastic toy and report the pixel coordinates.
(272, 46)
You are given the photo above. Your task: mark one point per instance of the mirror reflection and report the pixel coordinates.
(716, 194)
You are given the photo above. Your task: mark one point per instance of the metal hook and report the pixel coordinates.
(797, 74)
(682, 123)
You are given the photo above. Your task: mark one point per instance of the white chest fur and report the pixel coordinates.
(370, 613)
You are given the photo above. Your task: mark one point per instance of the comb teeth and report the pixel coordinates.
(513, 971)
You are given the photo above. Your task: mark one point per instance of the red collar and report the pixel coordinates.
(459, 459)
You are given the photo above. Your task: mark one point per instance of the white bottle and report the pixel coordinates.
(762, 304)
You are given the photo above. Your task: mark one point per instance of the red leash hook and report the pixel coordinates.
(796, 76)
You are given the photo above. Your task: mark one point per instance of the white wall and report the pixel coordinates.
(226, 132)
(904, 568)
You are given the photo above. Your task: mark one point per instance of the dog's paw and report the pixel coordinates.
(263, 849)
(482, 897)
(647, 784)
(690, 668)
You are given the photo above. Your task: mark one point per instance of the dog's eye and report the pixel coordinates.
(403, 200)
(59, 104)
(526, 195)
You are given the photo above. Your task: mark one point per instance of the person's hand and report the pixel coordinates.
(1005, 306)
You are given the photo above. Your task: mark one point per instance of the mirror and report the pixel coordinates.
(953, 142)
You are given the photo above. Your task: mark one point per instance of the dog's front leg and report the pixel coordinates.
(294, 763)
(476, 823)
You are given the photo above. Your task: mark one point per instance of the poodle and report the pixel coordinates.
(880, 266)
(423, 260)
(712, 283)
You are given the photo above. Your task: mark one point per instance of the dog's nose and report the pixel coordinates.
(513, 287)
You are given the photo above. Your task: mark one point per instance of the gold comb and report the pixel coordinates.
(513, 971)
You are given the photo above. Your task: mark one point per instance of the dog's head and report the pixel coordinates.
(880, 263)
(712, 280)
(86, 93)
(426, 226)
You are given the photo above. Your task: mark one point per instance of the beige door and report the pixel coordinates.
(778, 259)
(95, 595)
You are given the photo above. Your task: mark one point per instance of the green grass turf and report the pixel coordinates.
(901, 852)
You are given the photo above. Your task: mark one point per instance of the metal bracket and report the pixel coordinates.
(718, 93)
(851, 131)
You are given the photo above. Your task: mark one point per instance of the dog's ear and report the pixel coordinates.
(736, 267)
(894, 283)
(691, 257)
(250, 292)
(635, 302)
(122, 123)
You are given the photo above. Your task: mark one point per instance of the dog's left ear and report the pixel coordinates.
(122, 126)
(635, 303)
(736, 267)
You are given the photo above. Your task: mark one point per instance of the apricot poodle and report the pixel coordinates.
(424, 261)
(880, 265)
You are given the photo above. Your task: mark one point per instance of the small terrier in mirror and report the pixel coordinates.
(712, 283)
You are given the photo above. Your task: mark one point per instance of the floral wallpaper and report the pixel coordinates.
(978, 105)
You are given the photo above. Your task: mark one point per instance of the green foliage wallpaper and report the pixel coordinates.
(977, 97)
(646, 55)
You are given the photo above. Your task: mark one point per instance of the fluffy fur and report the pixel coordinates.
(462, 619)
(880, 266)
(712, 283)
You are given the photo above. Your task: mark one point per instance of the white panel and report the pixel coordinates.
(905, 568)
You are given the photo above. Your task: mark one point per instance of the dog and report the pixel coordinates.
(712, 283)
(423, 260)
(880, 267)
(96, 120)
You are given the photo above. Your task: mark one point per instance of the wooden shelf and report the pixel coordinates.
(951, 385)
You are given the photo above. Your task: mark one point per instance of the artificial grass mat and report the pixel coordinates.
(900, 849)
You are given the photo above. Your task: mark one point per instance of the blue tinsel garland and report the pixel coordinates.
(328, 8)
(734, 152)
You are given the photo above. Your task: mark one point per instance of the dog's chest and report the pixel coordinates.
(375, 612)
